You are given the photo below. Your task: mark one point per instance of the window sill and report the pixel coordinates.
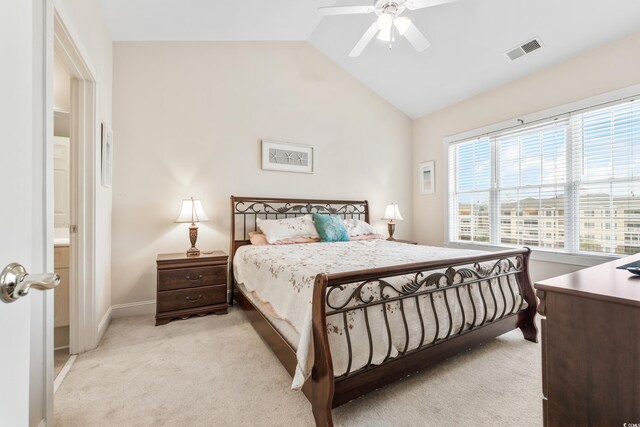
(582, 260)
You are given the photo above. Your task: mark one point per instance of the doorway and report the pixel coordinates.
(62, 191)
(73, 138)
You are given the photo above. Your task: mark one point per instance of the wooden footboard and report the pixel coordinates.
(493, 277)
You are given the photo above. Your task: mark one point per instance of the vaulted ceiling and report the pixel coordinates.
(468, 38)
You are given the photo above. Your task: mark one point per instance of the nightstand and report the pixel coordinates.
(191, 285)
(409, 242)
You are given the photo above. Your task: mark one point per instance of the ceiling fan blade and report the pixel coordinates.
(421, 4)
(364, 40)
(416, 38)
(344, 10)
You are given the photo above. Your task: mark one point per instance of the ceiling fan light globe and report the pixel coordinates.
(402, 24)
(384, 36)
(385, 21)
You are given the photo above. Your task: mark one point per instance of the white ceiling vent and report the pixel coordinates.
(524, 49)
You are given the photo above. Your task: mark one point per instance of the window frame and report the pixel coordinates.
(540, 254)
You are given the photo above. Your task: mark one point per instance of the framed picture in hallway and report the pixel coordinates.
(107, 156)
(427, 177)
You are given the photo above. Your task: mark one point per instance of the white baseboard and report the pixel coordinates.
(104, 324)
(63, 373)
(134, 309)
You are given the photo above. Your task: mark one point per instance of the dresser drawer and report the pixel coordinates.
(182, 278)
(191, 298)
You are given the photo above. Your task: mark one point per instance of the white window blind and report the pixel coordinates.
(472, 189)
(606, 166)
(569, 183)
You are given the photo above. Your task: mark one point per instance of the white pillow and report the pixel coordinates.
(356, 227)
(280, 229)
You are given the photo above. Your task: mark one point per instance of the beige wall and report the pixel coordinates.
(188, 120)
(89, 29)
(611, 67)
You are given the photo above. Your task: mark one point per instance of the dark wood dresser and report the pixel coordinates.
(591, 347)
(191, 285)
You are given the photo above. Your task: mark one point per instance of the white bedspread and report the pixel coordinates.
(283, 276)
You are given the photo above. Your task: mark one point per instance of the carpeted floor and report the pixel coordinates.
(215, 371)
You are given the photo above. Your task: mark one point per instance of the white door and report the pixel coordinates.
(26, 351)
(61, 183)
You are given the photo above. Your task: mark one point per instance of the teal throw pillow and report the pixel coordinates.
(330, 228)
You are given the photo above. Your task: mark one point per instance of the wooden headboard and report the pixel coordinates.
(245, 211)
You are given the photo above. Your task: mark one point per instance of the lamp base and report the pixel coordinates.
(193, 237)
(391, 227)
(193, 252)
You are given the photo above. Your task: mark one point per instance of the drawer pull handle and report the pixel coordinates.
(194, 299)
(194, 278)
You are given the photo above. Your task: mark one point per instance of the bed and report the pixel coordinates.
(346, 318)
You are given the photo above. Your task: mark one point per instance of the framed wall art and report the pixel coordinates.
(107, 156)
(427, 177)
(287, 157)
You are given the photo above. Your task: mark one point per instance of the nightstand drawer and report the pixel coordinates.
(182, 278)
(191, 285)
(190, 298)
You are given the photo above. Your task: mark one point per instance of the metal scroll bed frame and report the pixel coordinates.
(448, 277)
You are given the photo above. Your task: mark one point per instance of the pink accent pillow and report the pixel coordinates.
(372, 236)
(259, 239)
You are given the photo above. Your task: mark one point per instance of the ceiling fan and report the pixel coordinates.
(389, 22)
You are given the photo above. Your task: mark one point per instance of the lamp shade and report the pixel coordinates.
(392, 213)
(192, 211)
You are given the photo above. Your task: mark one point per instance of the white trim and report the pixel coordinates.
(447, 197)
(43, 169)
(134, 309)
(63, 17)
(544, 114)
(63, 373)
(83, 328)
(104, 323)
(43, 152)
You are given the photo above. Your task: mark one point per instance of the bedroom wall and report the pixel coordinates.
(188, 120)
(86, 21)
(610, 67)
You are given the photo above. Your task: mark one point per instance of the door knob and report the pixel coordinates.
(15, 282)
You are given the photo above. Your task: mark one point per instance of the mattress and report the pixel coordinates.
(279, 279)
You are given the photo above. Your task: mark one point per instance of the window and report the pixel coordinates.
(473, 184)
(569, 183)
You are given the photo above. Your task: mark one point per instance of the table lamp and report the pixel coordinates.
(392, 213)
(192, 212)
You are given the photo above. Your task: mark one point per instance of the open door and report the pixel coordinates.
(26, 386)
